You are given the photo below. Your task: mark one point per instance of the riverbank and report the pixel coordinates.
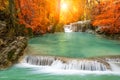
(104, 35)
(11, 47)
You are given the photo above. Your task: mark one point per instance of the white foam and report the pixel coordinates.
(52, 65)
(68, 65)
(56, 71)
(67, 28)
(115, 66)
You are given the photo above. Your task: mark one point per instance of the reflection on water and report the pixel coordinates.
(74, 45)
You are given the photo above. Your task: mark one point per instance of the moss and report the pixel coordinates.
(7, 63)
(10, 54)
(30, 32)
(59, 27)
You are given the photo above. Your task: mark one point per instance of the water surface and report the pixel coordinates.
(74, 45)
(67, 45)
(30, 73)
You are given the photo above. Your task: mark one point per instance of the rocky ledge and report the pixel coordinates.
(92, 64)
(11, 53)
(11, 48)
(86, 26)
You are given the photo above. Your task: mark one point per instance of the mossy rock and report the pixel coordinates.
(11, 55)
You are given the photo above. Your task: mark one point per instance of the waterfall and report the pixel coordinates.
(80, 65)
(114, 63)
(115, 66)
(39, 60)
(67, 28)
(79, 26)
(114, 60)
(66, 63)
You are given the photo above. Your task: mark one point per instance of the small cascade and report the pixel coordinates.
(114, 63)
(39, 60)
(80, 26)
(113, 60)
(115, 66)
(79, 65)
(66, 63)
(67, 28)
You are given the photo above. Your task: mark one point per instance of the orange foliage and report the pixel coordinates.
(3, 4)
(39, 14)
(106, 15)
(75, 11)
(36, 14)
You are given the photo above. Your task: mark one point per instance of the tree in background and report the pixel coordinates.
(38, 14)
(8, 14)
(43, 15)
(72, 10)
(3, 9)
(3, 4)
(106, 16)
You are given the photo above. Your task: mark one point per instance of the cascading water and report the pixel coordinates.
(114, 60)
(39, 60)
(80, 65)
(75, 45)
(68, 64)
(114, 63)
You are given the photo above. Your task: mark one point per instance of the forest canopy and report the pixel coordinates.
(106, 16)
(44, 15)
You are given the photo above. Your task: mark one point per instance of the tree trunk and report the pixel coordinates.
(12, 19)
(12, 13)
(57, 15)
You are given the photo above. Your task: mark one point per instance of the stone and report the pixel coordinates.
(11, 53)
(1, 42)
(2, 28)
